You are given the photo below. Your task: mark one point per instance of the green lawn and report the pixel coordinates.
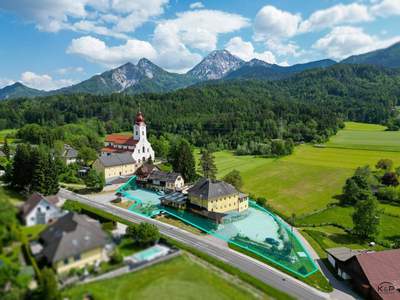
(179, 278)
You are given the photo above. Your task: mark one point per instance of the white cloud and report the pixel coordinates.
(175, 39)
(199, 29)
(284, 48)
(335, 15)
(95, 50)
(87, 15)
(273, 23)
(245, 50)
(139, 11)
(69, 70)
(345, 41)
(44, 81)
(386, 8)
(5, 82)
(196, 5)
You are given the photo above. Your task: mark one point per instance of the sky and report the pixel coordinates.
(48, 44)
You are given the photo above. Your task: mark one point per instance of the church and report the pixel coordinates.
(137, 144)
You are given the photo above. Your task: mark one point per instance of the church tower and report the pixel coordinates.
(139, 129)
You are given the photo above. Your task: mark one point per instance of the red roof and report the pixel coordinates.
(380, 268)
(120, 139)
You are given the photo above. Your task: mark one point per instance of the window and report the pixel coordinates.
(143, 149)
(143, 132)
(48, 207)
(136, 133)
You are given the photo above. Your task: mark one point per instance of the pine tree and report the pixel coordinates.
(22, 168)
(207, 164)
(40, 171)
(52, 175)
(184, 162)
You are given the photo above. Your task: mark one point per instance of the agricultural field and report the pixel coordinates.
(312, 177)
(180, 278)
(366, 137)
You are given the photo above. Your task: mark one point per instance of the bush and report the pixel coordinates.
(389, 193)
(116, 258)
(144, 234)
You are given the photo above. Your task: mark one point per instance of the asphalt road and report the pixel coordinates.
(257, 269)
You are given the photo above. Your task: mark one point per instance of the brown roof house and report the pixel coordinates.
(39, 209)
(376, 275)
(74, 241)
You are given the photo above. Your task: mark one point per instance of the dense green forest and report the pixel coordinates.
(307, 107)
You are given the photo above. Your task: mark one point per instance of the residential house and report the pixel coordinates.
(375, 275)
(116, 165)
(69, 154)
(39, 209)
(217, 196)
(74, 241)
(162, 181)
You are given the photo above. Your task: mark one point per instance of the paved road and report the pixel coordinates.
(263, 272)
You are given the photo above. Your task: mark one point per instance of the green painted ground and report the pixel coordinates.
(180, 278)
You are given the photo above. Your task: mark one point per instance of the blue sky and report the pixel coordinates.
(48, 44)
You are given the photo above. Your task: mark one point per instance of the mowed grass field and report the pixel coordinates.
(311, 178)
(367, 137)
(179, 278)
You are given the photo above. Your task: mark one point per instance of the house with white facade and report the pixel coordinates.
(39, 209)
(137, 143)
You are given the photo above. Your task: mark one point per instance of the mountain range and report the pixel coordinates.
(145, 76)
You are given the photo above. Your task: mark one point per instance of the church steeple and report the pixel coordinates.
(139, 118)
(139, 128)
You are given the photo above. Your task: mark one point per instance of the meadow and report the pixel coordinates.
(308, 182)
(179, 278)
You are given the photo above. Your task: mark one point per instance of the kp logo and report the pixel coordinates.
(386, 288)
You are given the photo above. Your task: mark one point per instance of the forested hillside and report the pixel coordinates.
(308, 107)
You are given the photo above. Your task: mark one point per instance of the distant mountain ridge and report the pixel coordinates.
(388, 57)
(257, 69)
(17, 90)
(147, 77)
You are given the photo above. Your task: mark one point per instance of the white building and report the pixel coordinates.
(39, 209)
(137, 144)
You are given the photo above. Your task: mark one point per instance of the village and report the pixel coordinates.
(79, 247)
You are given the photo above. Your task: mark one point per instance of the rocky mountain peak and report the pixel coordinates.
(216, 65)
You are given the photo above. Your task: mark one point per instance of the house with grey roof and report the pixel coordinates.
(215, 198)
(162, 181)
(115, 165)
(69, 154)
(39, 209)
(74, 241)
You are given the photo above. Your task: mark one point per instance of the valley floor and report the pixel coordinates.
(309, 181)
